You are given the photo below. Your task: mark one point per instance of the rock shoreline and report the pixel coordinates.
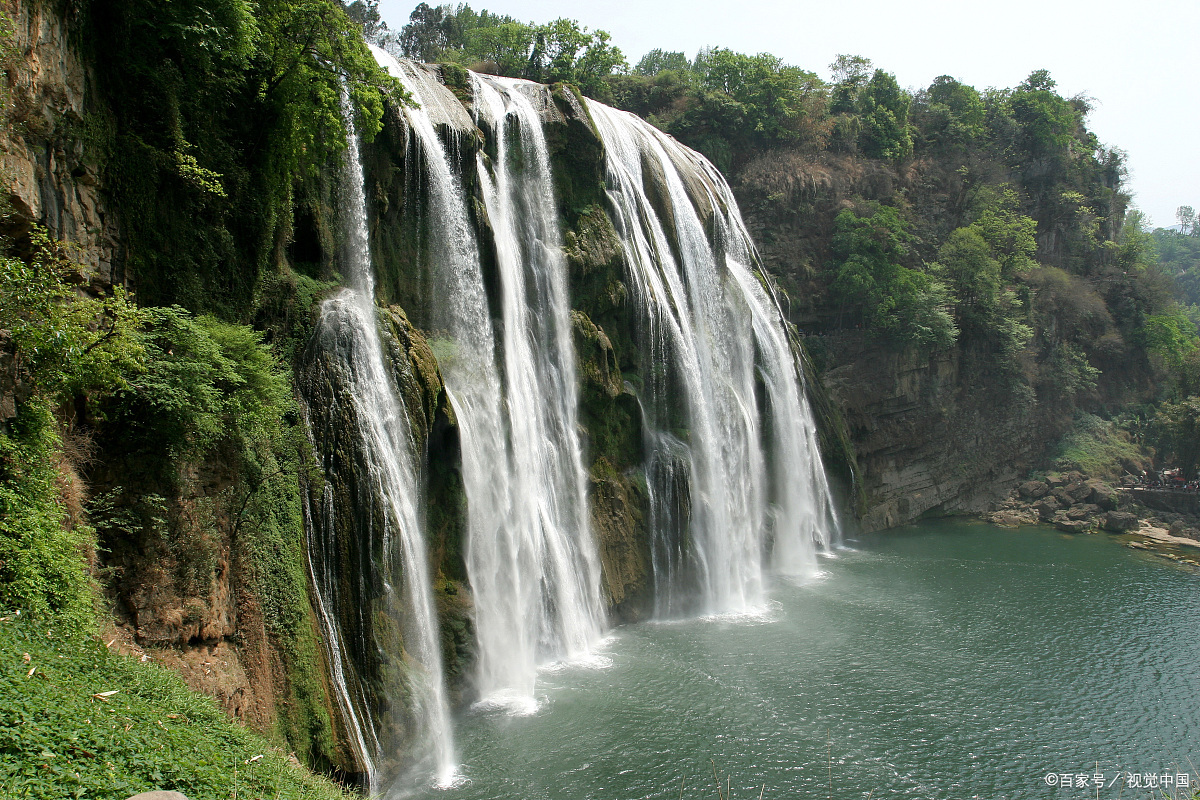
(1074, 503)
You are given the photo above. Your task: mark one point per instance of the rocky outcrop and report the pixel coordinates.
(48, 176)
(1071, 502)
(1074, 503)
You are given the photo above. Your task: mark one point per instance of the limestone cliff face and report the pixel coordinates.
(933, 435)
(928, 433)
(48, 176)
(201, 567)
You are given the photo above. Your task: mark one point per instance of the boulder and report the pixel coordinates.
(1078, 490)
(1102, 495)
(1063, 497)
(1045, 508)
(1177, 528)
(1082, 511)
(1005, 519)
(1119, 521)
(1033, 490)
(1072, 525)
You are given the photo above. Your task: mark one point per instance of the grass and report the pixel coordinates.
(1099, 448)
(77, 720)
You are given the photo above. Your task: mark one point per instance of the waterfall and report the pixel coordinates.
(733, 469)
(531, 558)
(734, 482)
(392, 573)
(537, 584)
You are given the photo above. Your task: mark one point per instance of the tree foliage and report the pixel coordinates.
(885, 130)
(215, 110)
(561, 50)
(66, 342)
(893, 300)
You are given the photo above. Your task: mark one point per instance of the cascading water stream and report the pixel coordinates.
(713, 510)
(531, 559)
(537, 585)
(348, 341)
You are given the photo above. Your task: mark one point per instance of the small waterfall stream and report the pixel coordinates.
(349, 348)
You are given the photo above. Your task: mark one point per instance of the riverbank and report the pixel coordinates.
(1074, 503)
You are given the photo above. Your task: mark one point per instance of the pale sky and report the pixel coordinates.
(1140, 62)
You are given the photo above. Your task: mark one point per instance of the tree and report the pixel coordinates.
(954, 114)
(1176, 431)
(657, 61)
(65, 345)
(777, 103)
(1170, 337)
(1187, 219)
(894, 301)
(885, 107)
(425, 37)
(850, 70)
(366, 14)
(1011, 235)
(1046, 121)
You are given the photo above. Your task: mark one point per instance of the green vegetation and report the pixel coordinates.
(62, 346)
(213, 112)
(204, 382)
(159, 392)
(66, 345)
(1178, 253)
(726, 103)
(558, 51)
(42, 550)
(903, 302)
(1100, 449)
(159, 440)
(77, 720)
(992, 222)
(1171, 338)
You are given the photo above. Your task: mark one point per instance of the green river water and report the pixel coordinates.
(945, 660)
